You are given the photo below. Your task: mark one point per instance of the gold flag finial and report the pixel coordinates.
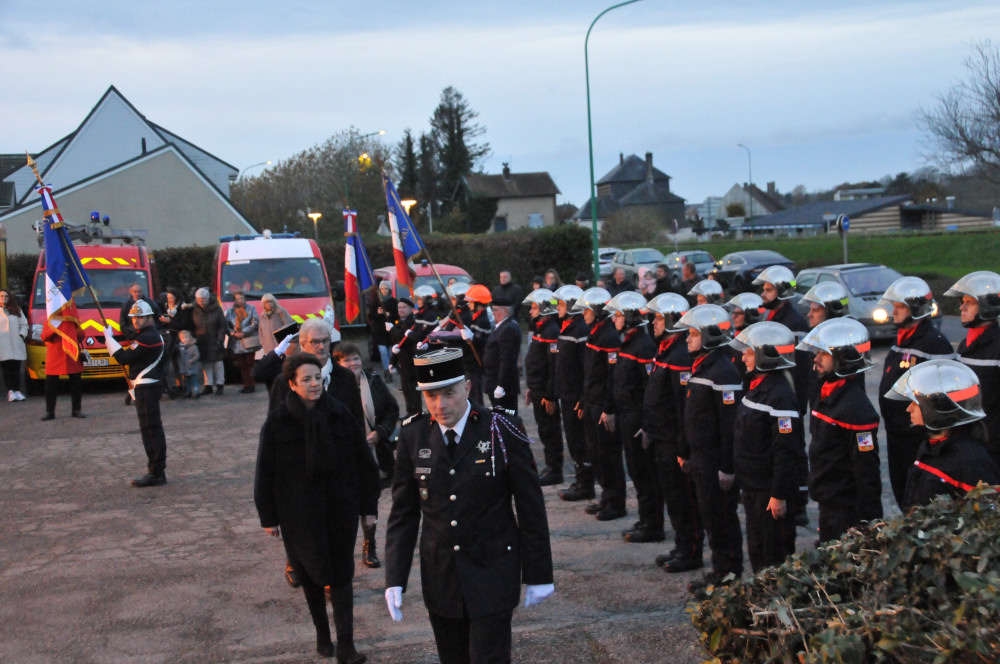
(34, 168)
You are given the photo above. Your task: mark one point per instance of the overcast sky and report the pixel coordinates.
(820, 93)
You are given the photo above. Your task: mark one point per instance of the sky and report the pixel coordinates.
(820, 93)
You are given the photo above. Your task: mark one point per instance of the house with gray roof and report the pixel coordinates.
(523, 200)
(139, 174)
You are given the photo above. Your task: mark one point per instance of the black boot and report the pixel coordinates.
(317, 610)
(368, 555)
(342, 599)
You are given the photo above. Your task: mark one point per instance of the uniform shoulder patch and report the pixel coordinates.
(865, 442)
(412, 418)
(785, 424)
(728, 397)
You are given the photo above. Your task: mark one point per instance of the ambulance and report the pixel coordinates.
(287, 266)
(113, 263)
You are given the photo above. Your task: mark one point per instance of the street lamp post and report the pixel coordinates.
(244, 171)
(590, 139)
(749, 190)
(361, 158)
(315, 217)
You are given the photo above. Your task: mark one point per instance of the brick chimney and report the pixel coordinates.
(771, 189)
(506, 171)
(649, 166)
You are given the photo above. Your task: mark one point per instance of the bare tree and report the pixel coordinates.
(965, 122)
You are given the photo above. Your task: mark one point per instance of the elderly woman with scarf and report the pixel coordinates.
(315, 477)
(242, 323)
(273, 317)
(381, 412)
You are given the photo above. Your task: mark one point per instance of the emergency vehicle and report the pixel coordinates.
(283, 264)
(114, 260)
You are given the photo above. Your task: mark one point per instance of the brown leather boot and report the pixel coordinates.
(368, 555)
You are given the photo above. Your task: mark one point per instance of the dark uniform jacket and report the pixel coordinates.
(952, 466)
(631, 371)
(343, 387)
(768, 442)
(479, 324)
(573, 333)
(500, 358)
(714, 389)
(789, 316)
(403, 360)
(843, 450)
(983, 357)
(603, 344)
(145, 350)
(924, 343)
(663, 401)
(317, 510)
(484, 528)
(540, 358)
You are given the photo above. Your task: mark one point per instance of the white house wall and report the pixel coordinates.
(518, 210)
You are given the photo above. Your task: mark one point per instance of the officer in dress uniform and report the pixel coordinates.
(917, 340)
(144, 357)
(540, 380)
(768, 443)
(980, 350)
(663, 417)
(503, 347)
(467, 476)
(844, 476)
(945, 400)
(569, 386)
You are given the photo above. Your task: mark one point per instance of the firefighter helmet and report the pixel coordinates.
(631, 305)
(593, 298)
(669, 305)
(914, 293)
(781, 278)
(751, 304)
(846, 340)
(830, 295)
(710, 289)
(458, 289)
(139, 309)
(985, 287)
(712, 321)
(568, 294)
(478, 294)
(773, 345)
(947, 393)
(424, 293)
(545, 300)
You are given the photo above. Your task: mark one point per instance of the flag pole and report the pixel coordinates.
(93, 294)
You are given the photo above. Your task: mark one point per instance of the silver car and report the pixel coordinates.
(865, 284)
(636, 261)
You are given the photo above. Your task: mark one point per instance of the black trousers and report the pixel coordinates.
(467, 640)
(575, 443)
(342, 600)
(902, 449)
(641, 465)
(154, 441)
(718, 513)
(769, 540)
(408, 385)
(12, 374)
(549, 433)
(52, 389)
(475, 377)
(679, 495)
(605, 452)
(835, 520)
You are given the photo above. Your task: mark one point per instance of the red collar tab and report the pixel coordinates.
(757, 381)
(667, 343)
(904, 333)
(697, 361)
(828, 388)
(973, 334)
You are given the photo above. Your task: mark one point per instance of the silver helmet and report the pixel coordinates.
(545, 299)
(947, 393)
(985, 287)
(914, 293)
(712, 321)
(631, 305)
(846, 340)
(781, 278)
(568, 294)
(710, 289)
(830, 295)
(751, 304)
(773, 345)
(424, 293)
(593, 298)
(669, 305)
(458, 289)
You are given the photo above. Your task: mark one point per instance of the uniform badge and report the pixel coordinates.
(685, 377)
(553, 348)
(728, 397)
(424, 453)
(649, 368)
(785, 424)
(423, 471)
(612, 358)
(865, 442)
(483, 446)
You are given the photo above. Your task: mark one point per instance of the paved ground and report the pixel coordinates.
(93, 570)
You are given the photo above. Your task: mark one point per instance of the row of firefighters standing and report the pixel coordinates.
(710, 408)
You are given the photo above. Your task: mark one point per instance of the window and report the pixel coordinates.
(805, 281)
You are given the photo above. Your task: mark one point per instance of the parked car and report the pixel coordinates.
(865, 284)
(703, 263)
(636, 261)
(736, 271)
(604, 256)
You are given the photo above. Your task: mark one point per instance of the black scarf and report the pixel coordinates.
(317, 434)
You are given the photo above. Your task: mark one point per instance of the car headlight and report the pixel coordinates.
(880, 315)
(36, 332)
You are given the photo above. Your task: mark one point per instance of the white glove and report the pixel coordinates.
(726, 481)
(109, 341)
(388, 327)
(282, 348)
(395, 349)
(422, 345)
(466, 334)
(392, 368)
(499, 393)
(535, 594)
(334, 335)
(394, 600)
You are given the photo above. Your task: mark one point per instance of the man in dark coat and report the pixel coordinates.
(474, 498)
(135, 292)
(503, 346)
(508, 291)
(620, 283)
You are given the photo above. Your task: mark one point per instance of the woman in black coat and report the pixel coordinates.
(315, 478)
(381, 413)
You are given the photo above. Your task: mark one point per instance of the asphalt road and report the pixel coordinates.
(93, 570)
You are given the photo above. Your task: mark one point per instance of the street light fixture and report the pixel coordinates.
(244, 171)
(749, 190)
(590, 140)
(315, 217)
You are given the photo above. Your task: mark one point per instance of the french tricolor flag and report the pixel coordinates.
(358, 277)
